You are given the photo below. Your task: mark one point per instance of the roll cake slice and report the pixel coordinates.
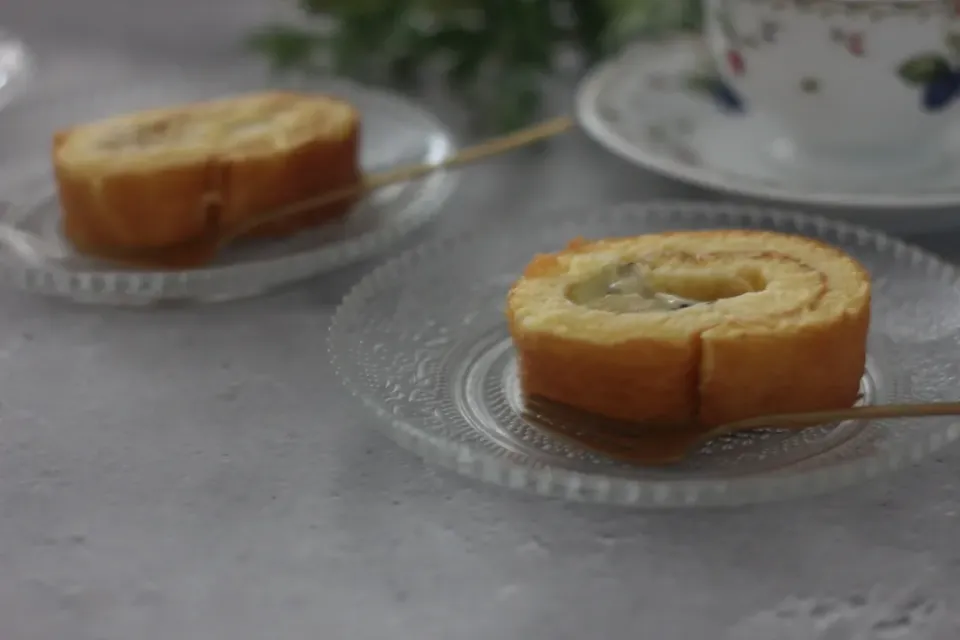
(780, 325)
(158, 178)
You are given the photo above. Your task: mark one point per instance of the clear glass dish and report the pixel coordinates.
(423, 342)
(16, 65)
(395, 131)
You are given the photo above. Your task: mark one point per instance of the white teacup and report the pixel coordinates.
(856, 81)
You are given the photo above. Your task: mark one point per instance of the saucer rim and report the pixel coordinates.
(586, 101)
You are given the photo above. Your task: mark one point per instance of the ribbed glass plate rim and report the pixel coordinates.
(547, 481)
(112, 286)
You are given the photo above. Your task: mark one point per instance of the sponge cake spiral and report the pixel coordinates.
(780, 326)
(153, 179)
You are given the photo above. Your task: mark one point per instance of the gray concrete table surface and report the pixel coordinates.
(199, 473)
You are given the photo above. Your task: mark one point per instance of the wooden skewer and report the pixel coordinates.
(660, 445)
(204, 248)
(814, 418)
(409, 172)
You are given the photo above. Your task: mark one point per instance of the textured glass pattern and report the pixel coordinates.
(423, 342)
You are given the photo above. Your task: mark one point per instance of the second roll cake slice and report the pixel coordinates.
(781, 326)
(154, 179)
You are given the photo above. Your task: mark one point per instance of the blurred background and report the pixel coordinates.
(471, 47)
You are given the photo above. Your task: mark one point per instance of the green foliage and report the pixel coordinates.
(287, 47)
(495, 53)
(632, 18)
(924, 69)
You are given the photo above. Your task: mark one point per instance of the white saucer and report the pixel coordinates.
(643, 106)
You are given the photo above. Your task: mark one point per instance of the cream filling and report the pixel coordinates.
(623, 288)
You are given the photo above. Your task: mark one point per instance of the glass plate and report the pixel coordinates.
(395, 131)
(423, 342)
(15, 67)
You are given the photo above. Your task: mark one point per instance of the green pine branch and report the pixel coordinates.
(495, 53)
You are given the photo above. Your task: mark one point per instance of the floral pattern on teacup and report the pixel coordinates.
(937, 79)
(707, 81)
(874, 10)
(852, 41)
(935, 75)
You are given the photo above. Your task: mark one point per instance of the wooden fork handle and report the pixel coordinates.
(879, 412)
(409, 172)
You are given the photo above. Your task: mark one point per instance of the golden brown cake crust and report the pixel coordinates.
(793, 340)
(152, 179)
